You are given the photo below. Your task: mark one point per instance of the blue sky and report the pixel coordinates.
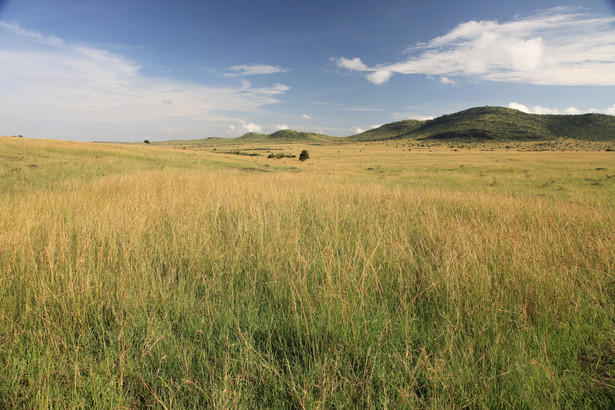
(126, 70)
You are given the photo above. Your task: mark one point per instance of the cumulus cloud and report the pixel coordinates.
(537, 109)
(252, 69)
(380, 76)
(352, 64)
(281, 127)
(519, 107)
(244, 127)
(307, 117)
(52, 88)
(558, 47)
(572, 110)
(376, 75)
(446, 80)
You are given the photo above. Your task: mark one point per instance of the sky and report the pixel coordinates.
(129, 70)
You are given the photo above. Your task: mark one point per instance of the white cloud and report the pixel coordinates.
(572, 110)
(446, 80)
(400, 116)
(244, 127)
(352, 64)
(537, 109)
(252, 69)
(281, 127)
(545, 110)
(31, 35)
(273, 90)
(307, 117)
(519, 107)
(376, 75)
(51, 88)
(380, 76)
(557, 47)
(359, 130)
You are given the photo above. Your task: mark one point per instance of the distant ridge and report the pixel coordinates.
(496, 124)
(479, 124)
(287, 136)
(393, 130)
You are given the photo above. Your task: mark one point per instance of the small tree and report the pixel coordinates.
(304, 155)
(146, 141)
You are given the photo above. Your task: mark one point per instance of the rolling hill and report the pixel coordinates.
(278, 137)
(387, 131)
(479, 124)
(287, 136)
(497, 124)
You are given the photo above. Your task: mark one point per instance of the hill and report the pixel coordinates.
(279, 137)
(479, 124)
(387, 131)
(287, 136)
(497, 124)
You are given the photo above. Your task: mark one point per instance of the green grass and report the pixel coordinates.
(368, 276)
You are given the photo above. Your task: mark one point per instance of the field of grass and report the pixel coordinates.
(367, 276)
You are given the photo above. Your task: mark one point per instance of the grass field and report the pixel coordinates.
(368, 276)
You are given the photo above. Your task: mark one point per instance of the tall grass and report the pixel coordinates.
(225, 288)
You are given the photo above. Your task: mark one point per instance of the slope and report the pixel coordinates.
(497, 124)
(286, 136)
(392, 130)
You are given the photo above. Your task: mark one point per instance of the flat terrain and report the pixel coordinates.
(371, 275)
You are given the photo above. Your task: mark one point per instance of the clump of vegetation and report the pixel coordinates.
(281, 155)
(305, 155)
(146, 142)
(238, 152)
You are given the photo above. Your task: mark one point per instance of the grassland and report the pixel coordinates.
(368, 276)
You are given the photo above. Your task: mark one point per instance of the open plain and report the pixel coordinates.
(371, 275)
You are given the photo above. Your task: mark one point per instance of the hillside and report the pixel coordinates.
(479, 124)
(497, 124)
(278, 137)
(286, 136)
(392, 130)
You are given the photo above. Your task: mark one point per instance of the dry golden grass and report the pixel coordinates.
(372, 276)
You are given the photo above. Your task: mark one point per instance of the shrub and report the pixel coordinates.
(304, 155)
(281, 155)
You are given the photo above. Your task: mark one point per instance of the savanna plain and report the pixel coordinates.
(373, 275)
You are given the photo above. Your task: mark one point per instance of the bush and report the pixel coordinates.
(304, 155)
(281, 155)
